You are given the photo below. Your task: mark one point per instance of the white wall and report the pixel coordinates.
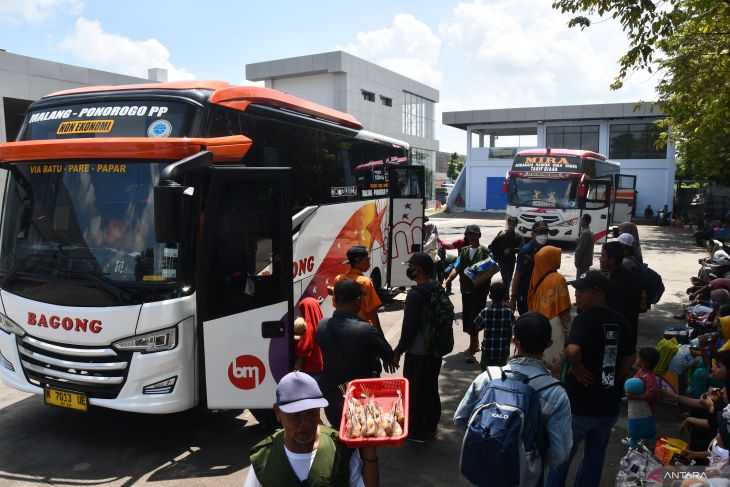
(476, 181)
(319, 88)
(654, 182)
(375, 116)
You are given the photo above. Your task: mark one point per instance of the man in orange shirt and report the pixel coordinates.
(359, 263)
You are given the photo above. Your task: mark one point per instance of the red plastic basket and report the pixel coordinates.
(385, 394)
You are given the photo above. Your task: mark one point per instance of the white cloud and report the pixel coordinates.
(245, 82)
(90, 43)
(37, 11)
(521, 53)
(450, 139)
(504, 53)
(408, 47)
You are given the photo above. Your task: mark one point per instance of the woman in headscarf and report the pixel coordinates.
(548, 295)
(309, 356)
(630, 228)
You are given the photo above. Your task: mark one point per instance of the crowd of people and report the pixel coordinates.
(529, 328)
(707, 324)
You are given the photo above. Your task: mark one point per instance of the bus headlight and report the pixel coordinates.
(157, 341)
(571, 223)
(9, 326)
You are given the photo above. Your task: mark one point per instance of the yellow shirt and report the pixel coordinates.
(370, 299)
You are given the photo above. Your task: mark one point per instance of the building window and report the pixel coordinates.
(583, 137)
(636, 141)
(388, 102)
(418, 116)
(368, 96)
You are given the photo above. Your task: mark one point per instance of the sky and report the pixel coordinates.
(480, 54)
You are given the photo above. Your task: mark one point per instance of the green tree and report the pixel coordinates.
(455, 166)
(688, 43)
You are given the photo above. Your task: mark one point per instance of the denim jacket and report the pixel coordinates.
(554, 405)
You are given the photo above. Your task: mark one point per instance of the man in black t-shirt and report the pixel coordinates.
(421, 367)
(598, 354)
(624, 294)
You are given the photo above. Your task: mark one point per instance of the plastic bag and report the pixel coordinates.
(681, 360)
(667, 350)
(639, 467)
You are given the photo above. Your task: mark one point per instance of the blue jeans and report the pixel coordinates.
(596, 431)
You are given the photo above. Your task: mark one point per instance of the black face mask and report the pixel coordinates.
(410, 273)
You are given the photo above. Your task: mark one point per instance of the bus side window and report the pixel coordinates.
(596, 196)
(406, 184)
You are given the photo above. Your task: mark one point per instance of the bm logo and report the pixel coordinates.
(246, 372)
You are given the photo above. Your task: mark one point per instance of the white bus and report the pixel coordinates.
(155, 239)
(561, 185)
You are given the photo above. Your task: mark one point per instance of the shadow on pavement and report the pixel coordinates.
(105, 446)
(402, 466)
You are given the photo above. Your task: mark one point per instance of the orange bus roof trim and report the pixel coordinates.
(240, 97)
(224, 149)
(211, 85)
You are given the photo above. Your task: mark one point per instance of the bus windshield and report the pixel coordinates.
(83, 224)
(118, 118)
(543, 192)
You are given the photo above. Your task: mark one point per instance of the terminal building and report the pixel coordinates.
(383, 101)
(24, 80)
(624, 132)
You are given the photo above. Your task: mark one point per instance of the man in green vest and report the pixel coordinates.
(306, 452)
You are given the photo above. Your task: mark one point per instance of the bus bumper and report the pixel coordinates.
(144, 370)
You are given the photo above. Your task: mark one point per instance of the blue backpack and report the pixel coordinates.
(506, 434)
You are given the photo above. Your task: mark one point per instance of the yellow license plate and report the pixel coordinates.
(66, 399)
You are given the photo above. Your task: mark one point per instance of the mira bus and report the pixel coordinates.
(155, 239)
(561, 185)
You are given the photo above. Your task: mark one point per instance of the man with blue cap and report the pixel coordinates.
(306, 452)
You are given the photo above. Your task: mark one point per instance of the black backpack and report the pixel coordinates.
(650, 283)
(438, 330)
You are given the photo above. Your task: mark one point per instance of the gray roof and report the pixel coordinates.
(334, 62)
(606, 111)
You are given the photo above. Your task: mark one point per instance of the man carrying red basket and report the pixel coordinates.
(306, 452)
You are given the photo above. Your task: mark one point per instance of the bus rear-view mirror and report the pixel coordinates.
(168, 202)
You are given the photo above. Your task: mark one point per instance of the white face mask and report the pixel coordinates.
(541, 239)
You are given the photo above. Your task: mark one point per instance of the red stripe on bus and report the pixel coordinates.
(598, 236)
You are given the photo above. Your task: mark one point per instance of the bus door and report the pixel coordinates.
(245, 286)
(624, 198)
(597, 205)
(407, 207)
